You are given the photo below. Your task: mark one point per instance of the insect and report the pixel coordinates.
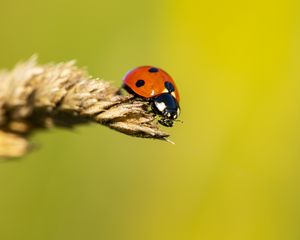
(156, 86)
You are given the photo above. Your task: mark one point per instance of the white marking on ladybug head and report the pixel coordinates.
(173, 94)
(161, 106)
(165, 90)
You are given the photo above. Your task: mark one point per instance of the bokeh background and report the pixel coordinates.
(234, 172)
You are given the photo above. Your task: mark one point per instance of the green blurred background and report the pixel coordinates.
(234, 172)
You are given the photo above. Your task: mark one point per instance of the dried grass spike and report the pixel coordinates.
(37, 96)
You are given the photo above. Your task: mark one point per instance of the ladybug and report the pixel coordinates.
(156, 86)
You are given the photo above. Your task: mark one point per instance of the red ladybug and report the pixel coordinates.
(156, 86)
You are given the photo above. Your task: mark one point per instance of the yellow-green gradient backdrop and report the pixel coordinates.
(234, 172)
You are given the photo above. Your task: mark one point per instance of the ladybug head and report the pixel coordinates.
(166, 106)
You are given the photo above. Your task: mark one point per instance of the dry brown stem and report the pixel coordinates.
(36, 96)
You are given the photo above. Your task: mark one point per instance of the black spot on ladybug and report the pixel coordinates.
(153, 70)
(169, 86)
(140, 83)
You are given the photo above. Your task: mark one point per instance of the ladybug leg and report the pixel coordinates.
(166, 122)
(120, 91)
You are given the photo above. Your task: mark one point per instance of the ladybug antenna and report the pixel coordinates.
(177, 120)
